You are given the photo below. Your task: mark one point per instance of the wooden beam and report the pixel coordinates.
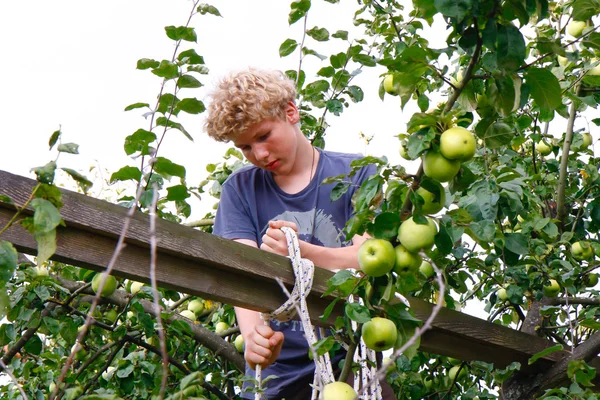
(202, 264)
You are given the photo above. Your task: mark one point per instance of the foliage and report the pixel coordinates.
(511, 214)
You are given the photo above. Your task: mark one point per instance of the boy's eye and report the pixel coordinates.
(264, 137)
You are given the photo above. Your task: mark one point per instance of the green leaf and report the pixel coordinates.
(46, 216)
(545, 88)
(340, 277)
(181, 33)
(190, 57)
(139, 141)
(511, 48)
(191, 106)
(457, 9)
(585, 9)
(84, 183)
(166, 69)
(356, 93)
(545, 352)
(208, 9)
(592, 41)
(517, 243)
(54, 138)
(177, 192)
(71, 148)
(418, 142)
(357, 313)
(166, 167)
(582, 373)
(8, 261)
(145, 63)
(338, 60)
(188, 81)
(319, 34)
(591, 323)
(136, 105)
(340, 35)
(498, 135)
(163, 121)
(34, 345)
(386, 225)
(298, 10)
(484, 230)
(125, 174)
(364, 59)
(45, 174)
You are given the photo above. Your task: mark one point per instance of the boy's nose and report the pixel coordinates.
(261, 153)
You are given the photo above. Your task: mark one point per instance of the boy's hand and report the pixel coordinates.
(263, 345)
(274, 239)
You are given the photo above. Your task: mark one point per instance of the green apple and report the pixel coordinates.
(543, 148)
(376, 257)
(238, 343)
(52, 387)
(338, 391)
(404, 150)
(221, 327)
(458, 144)
(379, 334)
(135, 287)
(502, 294)
(407, 263)
(591, 280)
(415, 237)
(452, 373)
(110, 285)
(431, 205)
(575, 28)
(562, 61)
(388, 85)
(594, 71)
(587, 139)
(41, 271)
(551, 289)
(188, 314)
(438, 167)
(428, 383)
(426, 269)
(111, 315)
(582, 250)
(108, 373)
(196, 306)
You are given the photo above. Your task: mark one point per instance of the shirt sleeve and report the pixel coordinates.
(233, 219)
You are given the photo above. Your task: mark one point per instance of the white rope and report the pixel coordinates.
(304, 272)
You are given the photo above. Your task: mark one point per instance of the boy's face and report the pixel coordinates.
(272, 144)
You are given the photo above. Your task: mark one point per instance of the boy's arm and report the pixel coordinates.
(324, 257)
(262, 344)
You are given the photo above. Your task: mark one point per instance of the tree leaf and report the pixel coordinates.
(484, 230)
(385, 225)
(340, 35)
(45, 174)
(365, 59)
(54, 138)
(139, 141)
(46, 242)
(8, 261)
(208, 9)
(287, 47)
(166, 167)
(357, 313)
(498, 135)
(191, 106)
(163, 121)
(145, 63)
(125, 174)
(545, 352)
(181, 33)
(585, 9)
(457, 9)
(319, 34)
(298, 10)
(177, 192)
(511, 48)
(136, 105)
(166, 69)
(84, 183)
(517, 243)
(46, 216)
(188, 81)
(191, 57)
(71, 148)
(545, 88)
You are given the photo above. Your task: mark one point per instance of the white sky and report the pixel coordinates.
(72, 63)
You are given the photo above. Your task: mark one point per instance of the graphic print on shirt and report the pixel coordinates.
(325, 230)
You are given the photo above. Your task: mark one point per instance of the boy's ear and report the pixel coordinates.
(292, 114)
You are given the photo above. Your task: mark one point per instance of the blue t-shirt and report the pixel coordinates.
(250, 198)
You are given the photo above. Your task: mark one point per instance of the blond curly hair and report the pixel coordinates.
(244, 98)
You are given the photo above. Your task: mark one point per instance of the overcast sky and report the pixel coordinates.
(72, 64)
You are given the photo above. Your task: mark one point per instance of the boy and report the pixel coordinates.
(256, 110)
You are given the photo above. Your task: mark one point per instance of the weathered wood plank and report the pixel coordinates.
(201, 264)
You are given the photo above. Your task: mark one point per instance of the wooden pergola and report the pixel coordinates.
(201, 264)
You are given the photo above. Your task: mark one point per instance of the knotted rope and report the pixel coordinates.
(296, 304)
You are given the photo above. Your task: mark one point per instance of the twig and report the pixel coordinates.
(161, 332)
(20, 210)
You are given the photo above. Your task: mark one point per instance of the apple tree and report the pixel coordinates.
(499, 192)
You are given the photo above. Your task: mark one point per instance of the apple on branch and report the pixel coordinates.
(379, 334)
(458, 144)
(338, 391)
(407, 263)
(416, 237)
(376, 257)
(438, 167)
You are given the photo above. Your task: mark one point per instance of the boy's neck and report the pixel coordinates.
(307, 160)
